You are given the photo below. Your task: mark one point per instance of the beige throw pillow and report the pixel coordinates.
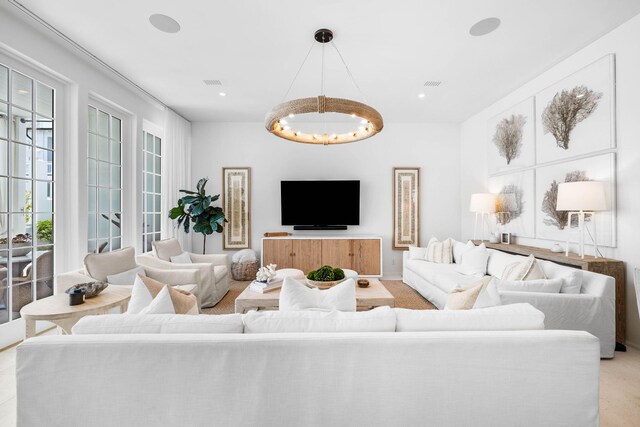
(183, 302)
(167, 248)
(465, 298)
(529, 269)
(440, 252)
(99, 266)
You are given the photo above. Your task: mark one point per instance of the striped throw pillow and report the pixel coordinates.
(440, 252)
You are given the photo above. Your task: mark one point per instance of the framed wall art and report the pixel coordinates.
(406, 207)
(576, 116)
(236, 202)
(511, 138)
(516, 207)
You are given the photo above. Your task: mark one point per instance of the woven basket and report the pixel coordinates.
(244, 270)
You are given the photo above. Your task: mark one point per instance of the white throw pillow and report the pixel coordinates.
(183, 258)
(296, 296)
(511, 317)
(159, 324)
(161, 304)
(489, 296)
(140, 297)
(380, 319)
(572, 283)
(126, 278)
(416, 252)
(474, 261)
(546, 286)
(459, 250)
(440, 252)
(480, 294)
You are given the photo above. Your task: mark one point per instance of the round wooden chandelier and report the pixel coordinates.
(370, 119)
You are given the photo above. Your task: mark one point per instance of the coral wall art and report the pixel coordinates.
(552, 224)
(515, 202)
(576, 115)
(510, 140)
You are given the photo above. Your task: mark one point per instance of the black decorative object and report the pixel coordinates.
(76, 296)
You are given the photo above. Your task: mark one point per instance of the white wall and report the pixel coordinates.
(622, 41)
(432, 147)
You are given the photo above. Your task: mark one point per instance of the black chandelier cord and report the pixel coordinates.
(353, 80)
(298, 72)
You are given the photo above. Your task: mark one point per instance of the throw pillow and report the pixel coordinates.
(459, 249)
(145, 290)
(547, 286)
(529, 269)
(416, 252)
(380, 319)
(183, 258)
(167, 248)
(479, 294)
(99, 266)
(297, 296)
(439, 252)
(572, 283)
(161, 304)
(126, 278)
(474, 261)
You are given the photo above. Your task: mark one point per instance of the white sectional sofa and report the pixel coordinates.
(168, 370)
(592, 310)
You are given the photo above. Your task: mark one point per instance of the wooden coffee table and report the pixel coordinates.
(56, 308)
(375, 295)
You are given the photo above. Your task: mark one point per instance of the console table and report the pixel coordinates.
(606, 266)
(360, 253)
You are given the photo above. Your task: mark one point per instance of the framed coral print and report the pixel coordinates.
(406, 207)
(236, 202)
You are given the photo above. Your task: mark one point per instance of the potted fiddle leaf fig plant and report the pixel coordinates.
(195, 209)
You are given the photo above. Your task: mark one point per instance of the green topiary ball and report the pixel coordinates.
(325, 274)
(338, 274)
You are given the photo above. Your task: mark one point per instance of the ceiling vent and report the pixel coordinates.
(432, 83)
(212, 82)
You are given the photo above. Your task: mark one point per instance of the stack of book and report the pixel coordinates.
(262, 287)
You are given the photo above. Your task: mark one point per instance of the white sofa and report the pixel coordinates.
(592, 310)
(204, 371)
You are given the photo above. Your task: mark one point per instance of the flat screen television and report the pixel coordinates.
(330, 204)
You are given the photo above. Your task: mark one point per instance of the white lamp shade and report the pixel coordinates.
(482, 203)
(581, 196)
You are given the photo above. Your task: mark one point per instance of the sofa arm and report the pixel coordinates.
(598, 285)
(215, 259)
(65, 280)
(174, 277)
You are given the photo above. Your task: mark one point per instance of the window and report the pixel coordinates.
(151, 190)
(26, 191)
(104, 181)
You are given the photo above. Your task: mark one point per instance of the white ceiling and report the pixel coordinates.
(392, 47)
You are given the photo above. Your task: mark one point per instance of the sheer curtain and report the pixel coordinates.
(176, 171)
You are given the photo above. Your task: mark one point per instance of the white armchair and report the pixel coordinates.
(213, 268)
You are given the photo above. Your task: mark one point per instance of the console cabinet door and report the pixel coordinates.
(279, 252)
(307, 255)
(337, 253)
(366, 256)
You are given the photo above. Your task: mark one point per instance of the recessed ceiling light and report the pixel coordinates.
(222, 93)
(421, 95)
(484, 27)
(164, 23)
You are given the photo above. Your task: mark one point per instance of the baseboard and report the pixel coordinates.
(392, 276)
(632, 345)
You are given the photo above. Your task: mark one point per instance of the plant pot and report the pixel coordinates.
(323, 285)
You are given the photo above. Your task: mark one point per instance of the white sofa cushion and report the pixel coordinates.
(296, 296)
(498, 261)
(572, 282)
(99, 266)
(380, 319)
(502, 318)
(548, 286)
(126, 278)
(440, 252)
(159, 324)
(183, 258)
(416, 252)
(474, 261)
(460, 248)
(165, 249)
(443, 276)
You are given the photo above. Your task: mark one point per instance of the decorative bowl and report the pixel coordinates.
(92, 289)
(363, 283)
(323, 285)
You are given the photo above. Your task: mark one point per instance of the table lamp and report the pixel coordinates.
(483, 204)
(581, 198)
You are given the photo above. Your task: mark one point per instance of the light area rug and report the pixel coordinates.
(405, 297)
